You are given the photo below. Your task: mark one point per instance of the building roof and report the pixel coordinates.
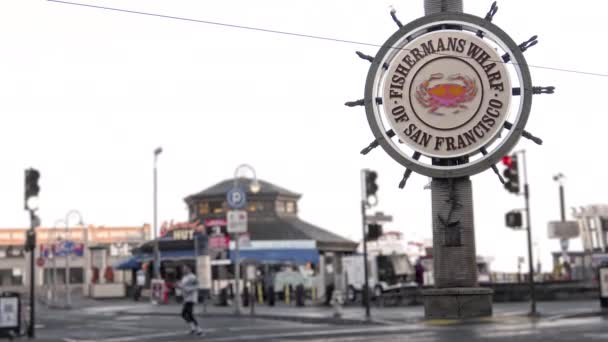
(221, 188)
(95, 234)
(291, 228)
(279, 228)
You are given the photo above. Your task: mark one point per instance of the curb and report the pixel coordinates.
(600, 313)
(290, 318)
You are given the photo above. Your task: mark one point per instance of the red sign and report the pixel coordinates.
(166, 227)
(216, 222)
(219, 241)
(40, 262)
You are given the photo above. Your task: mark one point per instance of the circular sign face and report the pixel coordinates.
(40, 262)
(446, 94)
(236, 198)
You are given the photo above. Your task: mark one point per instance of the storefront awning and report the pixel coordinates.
(130, 263)
(134, 262)
(298, 256)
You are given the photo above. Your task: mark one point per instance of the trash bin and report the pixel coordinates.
(603, 282)
(10, 314)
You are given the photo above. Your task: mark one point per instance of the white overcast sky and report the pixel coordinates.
(86, 95)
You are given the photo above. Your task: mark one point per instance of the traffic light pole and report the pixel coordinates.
(365, 291)
(529, 231)
(30, 328)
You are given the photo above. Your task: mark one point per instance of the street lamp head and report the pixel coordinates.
(158, 151)
(558, 177)
(255, 186)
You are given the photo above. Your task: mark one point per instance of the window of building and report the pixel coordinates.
(120, 249)
(280, 206)
(255, 207)
(291, 207)
(11, 277)
(203, 208)
(216, 207)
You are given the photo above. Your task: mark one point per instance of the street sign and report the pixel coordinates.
(9, 312)
(40, 262)
(378, 217)
(219, 242)
(244, 240)
(236, 197)
(64, 248)
(237, 221)
(563, 230)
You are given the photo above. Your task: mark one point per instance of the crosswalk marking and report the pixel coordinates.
(597, 336)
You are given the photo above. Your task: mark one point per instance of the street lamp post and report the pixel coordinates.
(254, 187)
(559, 178)
(157, 152)
(68, 294)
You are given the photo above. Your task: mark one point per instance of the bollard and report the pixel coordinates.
(260, 293)
(300, 295)
(313, 293)
(603, 282)
(271, 295)
(287, 299)
(336, 302)
(245, 296)
(252, 299)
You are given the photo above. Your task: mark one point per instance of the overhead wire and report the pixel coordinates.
(294, 34)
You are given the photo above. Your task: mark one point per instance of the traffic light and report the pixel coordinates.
(513, 219)
(31, 185)
(511, 173)
(30, 241)
(374, 231)
(370, 183)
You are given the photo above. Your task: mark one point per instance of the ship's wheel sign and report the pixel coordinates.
(448, 95)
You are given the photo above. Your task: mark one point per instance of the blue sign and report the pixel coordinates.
(236, 198)
(67, 247)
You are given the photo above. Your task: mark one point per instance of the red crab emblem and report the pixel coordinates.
(450, 95)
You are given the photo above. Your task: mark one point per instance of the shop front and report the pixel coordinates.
(277, 241)
(180, 244)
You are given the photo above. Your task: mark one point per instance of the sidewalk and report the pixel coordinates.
(503, 312)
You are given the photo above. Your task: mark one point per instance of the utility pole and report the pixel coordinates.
(31, 328)
(562, 206)
(368, 189)
(561, 202)
(237, 275)
(157, 151)
(30, 204)
(529, 231)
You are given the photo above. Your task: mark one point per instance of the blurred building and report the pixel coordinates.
(276, 238)
(52, 245)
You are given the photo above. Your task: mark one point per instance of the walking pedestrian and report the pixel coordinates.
(189, 287)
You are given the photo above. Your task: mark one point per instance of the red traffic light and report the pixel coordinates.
(507, 161)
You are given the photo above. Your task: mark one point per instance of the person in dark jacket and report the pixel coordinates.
(419, 269)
